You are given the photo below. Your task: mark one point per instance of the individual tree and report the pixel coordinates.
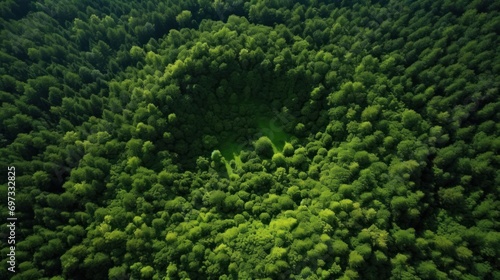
(264, 147)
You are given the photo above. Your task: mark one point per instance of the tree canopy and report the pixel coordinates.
(251, 139)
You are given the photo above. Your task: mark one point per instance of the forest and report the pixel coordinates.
(260, 139)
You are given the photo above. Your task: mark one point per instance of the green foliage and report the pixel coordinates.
(264, 147)
(355, 259)
(117, 273)
(130, 124)
(217, 198)
(404, 238)
(339, 247)
(288, 150)
(184, 18)
(279, 160)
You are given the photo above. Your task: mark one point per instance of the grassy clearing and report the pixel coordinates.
(274, 131)
(230, 150)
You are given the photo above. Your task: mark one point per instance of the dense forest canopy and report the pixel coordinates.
(262, 139)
